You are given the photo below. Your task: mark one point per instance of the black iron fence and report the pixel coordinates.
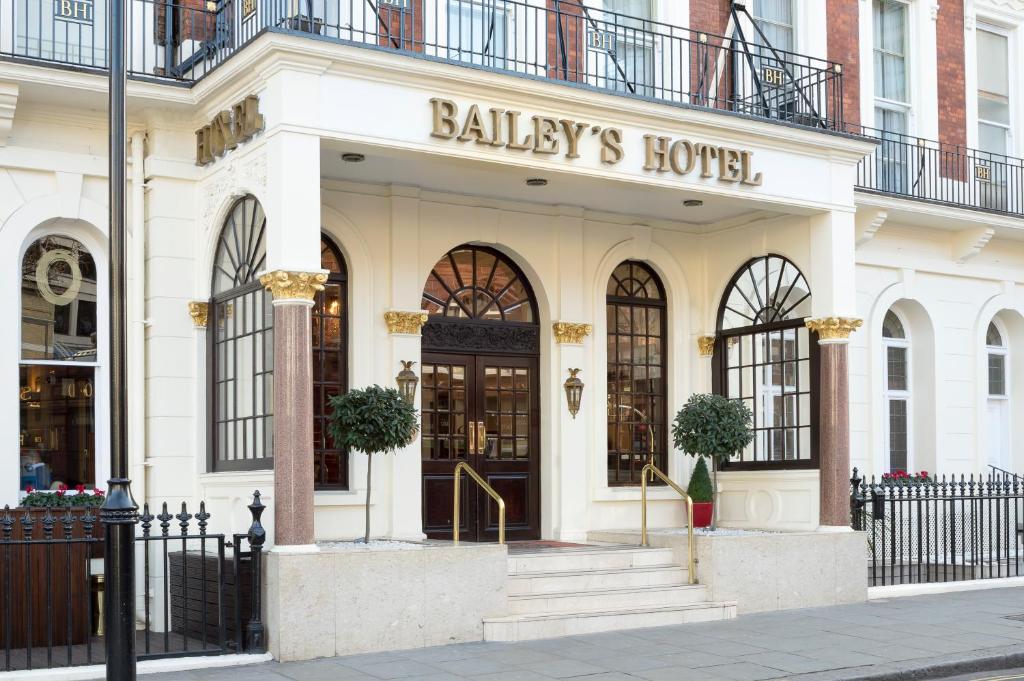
(562, 40)
(199, 592)
(939, 530)
(920, 169)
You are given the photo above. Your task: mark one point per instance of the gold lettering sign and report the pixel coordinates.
(248, 8)
(983, 173)
(78, 11)
(228, 129)
(401, 4)
(550, 136)
(773, 76)
(601, 40)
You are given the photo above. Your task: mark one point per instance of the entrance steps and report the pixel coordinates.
(589, 589)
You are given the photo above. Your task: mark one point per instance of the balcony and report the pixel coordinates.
(180, 41)
(923, 170)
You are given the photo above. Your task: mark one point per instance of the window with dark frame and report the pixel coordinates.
(766, 357)
(636, 310)
(329, 318)
(897, 391)
(241, 346)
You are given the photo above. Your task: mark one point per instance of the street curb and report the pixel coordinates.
(943, 666)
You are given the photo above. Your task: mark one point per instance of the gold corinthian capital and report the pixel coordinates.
(834, 328)
(407, 322)
(293, 285)
(571, 333)
(199, 311)
(706, 346)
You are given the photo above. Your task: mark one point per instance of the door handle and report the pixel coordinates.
(472, 437)
(481, 437)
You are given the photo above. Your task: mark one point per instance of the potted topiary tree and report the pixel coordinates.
(715, 427)
(702, 494)
(371, 420)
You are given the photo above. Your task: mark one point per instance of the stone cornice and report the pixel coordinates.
(571, 333)
(199, 311)
(405, 321)
(834, 329)
(299, 286)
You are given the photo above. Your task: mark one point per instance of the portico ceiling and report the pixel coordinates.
(634, 201)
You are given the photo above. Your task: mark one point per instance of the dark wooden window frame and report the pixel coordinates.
(719, 369)
(320, 445)
(248, 261)
(620, 417)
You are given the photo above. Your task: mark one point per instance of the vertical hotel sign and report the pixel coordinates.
(77, 11)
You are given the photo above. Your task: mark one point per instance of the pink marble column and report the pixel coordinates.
(834, 419)
(293, 405)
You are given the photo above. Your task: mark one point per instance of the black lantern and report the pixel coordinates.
(407, 381)
(573, 391)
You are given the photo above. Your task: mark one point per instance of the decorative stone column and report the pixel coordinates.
(834, 419)
(293, 405)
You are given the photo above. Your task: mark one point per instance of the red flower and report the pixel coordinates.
(79, 488)
(924, 474)
(97, 491)
(29, 489)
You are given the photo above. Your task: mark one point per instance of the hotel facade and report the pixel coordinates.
(814, 206)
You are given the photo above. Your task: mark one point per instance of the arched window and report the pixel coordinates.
(897, 393)
(330, 365)
(476, 283)
(58, 365)
(998, 353)
(766, 357)
(241, 345)
(636, 312)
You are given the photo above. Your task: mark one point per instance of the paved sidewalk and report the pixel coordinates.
(905, 638)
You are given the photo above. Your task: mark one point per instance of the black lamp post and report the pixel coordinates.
(119, 510)
(407, 381)
(573, 391)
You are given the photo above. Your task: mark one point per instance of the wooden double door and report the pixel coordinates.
(484, 410)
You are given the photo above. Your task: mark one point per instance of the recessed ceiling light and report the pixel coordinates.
(352, 157)
(536, 182)
(693, 203)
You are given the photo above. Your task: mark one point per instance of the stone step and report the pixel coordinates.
(592, 559)
(596, 580)
(524, 627)
(604, 599)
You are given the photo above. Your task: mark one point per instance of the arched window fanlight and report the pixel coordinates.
(241, 249)
(892, 327)
(766, 290)
(993, 338)
(764, 356)
(473, 282)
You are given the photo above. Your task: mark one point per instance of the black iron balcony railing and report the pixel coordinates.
(924, 170)
(559, 40)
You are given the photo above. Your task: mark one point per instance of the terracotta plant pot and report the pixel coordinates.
(703, 511)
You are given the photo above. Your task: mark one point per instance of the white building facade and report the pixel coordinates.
(502, 192)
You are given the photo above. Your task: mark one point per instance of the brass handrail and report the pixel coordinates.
(463, 466)
(651, 468)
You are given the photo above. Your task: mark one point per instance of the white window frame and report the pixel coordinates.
(1011, 74)
(1002, 402)
(905, 107)
(906, 396)
(101, 394)
(794, 27)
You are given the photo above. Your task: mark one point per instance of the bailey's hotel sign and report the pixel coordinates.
(570, 138)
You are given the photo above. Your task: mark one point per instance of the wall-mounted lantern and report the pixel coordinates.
(573, 391)
(407, 381)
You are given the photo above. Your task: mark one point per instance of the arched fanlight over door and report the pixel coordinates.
(478, 283)
(241, 345)
(766, 357)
